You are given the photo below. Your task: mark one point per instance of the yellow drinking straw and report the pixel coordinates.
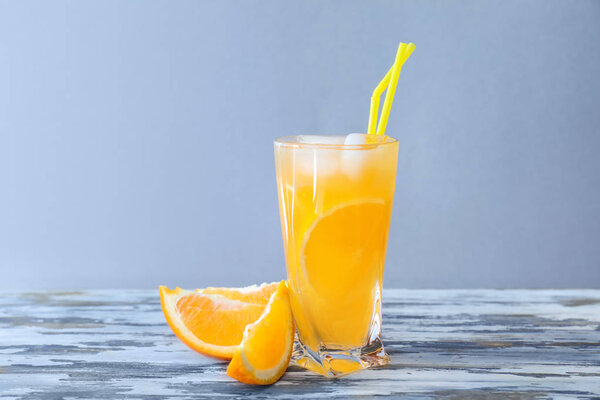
(389, 82)
(375, 101)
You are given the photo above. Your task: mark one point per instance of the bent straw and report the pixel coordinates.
(381, 87)
(403, 53)
(391, 80)
(375, 101)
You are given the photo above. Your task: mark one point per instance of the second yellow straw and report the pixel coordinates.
(389, 82)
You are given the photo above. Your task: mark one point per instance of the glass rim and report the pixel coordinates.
(290, 142)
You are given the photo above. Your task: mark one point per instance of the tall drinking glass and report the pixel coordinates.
(335, 201)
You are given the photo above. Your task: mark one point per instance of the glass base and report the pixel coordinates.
(335, 363)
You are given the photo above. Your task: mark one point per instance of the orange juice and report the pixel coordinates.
(335, 201)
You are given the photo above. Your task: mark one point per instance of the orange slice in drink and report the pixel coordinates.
(341, 267)
(212, 320)
(345, 243)
(266, 348)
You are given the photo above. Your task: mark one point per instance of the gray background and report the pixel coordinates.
(136, 137)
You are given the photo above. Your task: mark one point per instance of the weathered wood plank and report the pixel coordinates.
(468, 344)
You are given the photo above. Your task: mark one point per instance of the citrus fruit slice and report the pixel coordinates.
(266, 348)
(212, 323)
(345, 243)
(341, 268)
(249, 294)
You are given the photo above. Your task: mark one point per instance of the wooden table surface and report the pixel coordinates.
(458, 344)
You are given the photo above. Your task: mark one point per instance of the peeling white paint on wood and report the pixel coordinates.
(462, 344)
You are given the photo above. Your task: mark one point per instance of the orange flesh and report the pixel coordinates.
(258, 295)
(212, 320)
(218, 323)
(266, 348)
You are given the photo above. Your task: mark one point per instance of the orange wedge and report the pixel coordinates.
(212, 320)
(249, 294)
(266, 348)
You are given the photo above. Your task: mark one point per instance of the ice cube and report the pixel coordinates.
(317, 161)
(356, 138)
(362, 138)
(354, 160)
(321, 139)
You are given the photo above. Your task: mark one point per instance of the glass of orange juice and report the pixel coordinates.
(335, 201)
